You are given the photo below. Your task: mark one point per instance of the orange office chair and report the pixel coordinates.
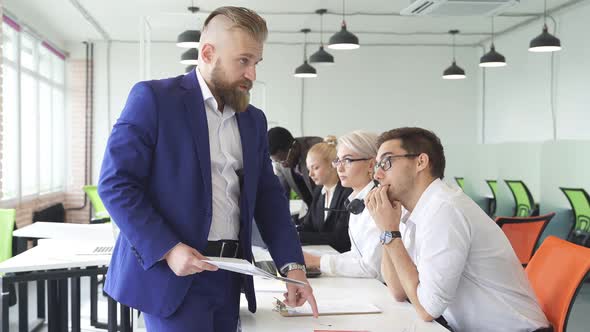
(556, 272)
(523, 233)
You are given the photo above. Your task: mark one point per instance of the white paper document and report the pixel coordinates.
(334, 308)
(244, 267)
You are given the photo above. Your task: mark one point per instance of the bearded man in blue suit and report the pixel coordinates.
(186, 170)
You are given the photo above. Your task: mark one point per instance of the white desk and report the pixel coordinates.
(52, 255)
(56, 261)
(396, 316)
(65, 231)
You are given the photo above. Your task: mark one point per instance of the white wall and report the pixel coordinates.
(372, 88)
(518, 96)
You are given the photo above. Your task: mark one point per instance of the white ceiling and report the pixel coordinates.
(120, 19)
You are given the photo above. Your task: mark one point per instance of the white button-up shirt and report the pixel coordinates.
(225, 147)
(328, 195)
(364, 258)
(468, 270)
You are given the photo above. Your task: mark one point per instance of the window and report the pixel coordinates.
(33, 117)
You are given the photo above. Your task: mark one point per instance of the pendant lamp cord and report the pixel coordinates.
(492, 31)
(453, 47)
(322, 29)
(305, 47)
(545, 14)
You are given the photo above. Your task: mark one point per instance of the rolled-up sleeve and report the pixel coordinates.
(442, 255)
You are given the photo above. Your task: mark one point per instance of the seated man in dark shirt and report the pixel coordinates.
(288, 155)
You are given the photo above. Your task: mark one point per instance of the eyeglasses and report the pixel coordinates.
(346, 161)
(283, 161)
(385, 163)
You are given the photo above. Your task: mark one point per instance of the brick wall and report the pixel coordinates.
(76, 96)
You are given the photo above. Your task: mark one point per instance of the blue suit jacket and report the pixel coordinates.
(155, 182)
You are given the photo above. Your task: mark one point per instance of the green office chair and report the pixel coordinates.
(523, 199)
(493, 184)
(580, 202)
(7, 223)
(101, 214)
(460, 182)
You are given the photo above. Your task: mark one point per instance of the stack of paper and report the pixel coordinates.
(244, 267)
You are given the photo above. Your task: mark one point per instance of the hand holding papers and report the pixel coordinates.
(244, 267)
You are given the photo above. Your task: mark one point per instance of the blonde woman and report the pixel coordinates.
(326, 221)
(355, 161)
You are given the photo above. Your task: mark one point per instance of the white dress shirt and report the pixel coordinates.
(226, 158)
(328, 195)
(364, 258)
(468, 270)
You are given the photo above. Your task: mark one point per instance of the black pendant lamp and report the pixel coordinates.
(492, 58)
(190, 57)
(189, 38)
(305, 70)
(545, 42)
(343, 39)
(454, 72)
(321, 57)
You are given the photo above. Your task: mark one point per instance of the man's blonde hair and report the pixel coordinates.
(244, 19)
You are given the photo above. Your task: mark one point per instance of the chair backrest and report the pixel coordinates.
(556, 272)
(580, 202)
(493, 184)
(523, 233)
(525, 204)
(99, 209)
(460, 182)
(52, 213)
(7, 220)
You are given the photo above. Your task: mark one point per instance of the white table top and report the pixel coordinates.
(55, 254)
(66, 231)
(396, 316)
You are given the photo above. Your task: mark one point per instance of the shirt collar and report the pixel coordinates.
(331, 189)
(208, 97)
(363, 193)
(422, 204)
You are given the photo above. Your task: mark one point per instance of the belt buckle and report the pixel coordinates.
(235, 254)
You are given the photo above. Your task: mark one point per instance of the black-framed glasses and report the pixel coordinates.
(346, 161)
(385, 163)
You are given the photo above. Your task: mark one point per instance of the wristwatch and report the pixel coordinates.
(388, 236)
(292, 266)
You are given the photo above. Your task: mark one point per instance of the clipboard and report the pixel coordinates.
(327, 309)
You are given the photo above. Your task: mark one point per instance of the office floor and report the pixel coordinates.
(579, 317)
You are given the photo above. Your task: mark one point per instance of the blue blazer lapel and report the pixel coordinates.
(249, 146)
(197, 121)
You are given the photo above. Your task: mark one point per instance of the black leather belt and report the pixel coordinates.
(223, 248)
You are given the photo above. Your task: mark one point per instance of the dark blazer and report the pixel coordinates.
(286, 178)
(155, 182)
(334, 229)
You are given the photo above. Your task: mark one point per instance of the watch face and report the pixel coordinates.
(385, 237)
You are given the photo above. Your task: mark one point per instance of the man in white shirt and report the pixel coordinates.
(440, 250)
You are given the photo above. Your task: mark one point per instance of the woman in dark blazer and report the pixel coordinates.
(326, 221)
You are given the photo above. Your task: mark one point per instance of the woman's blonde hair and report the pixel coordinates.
(361, 142)
(326, 149)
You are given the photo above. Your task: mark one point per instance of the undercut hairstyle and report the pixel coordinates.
(244, 19)
(416, 141)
